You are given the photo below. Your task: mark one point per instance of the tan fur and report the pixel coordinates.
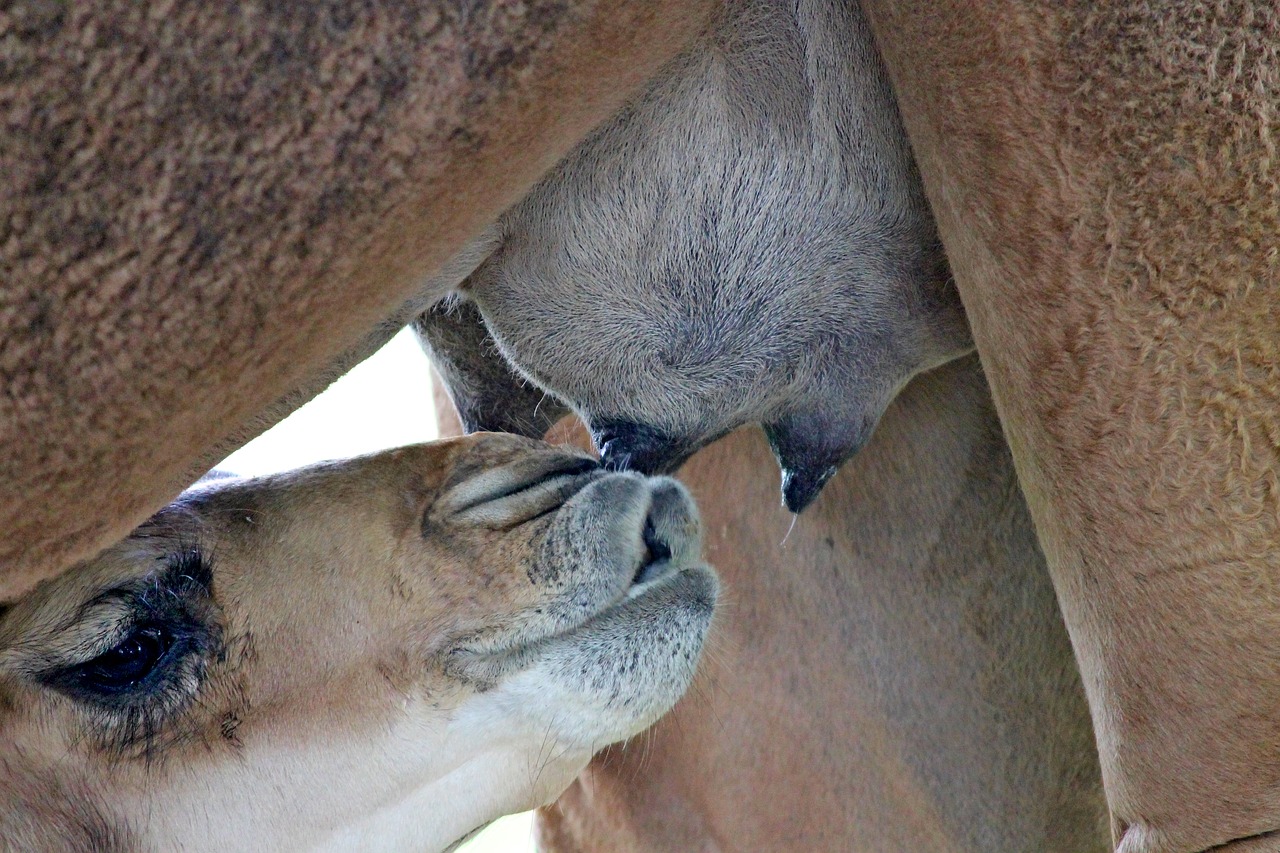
(888, 674)
(400, 647)
(204, 205)
(1105, 181)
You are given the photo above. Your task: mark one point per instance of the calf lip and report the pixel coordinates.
(487, 667)
(667, 547)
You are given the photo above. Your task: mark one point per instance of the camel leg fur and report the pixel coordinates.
(1104, 180)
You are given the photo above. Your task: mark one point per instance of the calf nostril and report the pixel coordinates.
(657, 557)
(658, 547)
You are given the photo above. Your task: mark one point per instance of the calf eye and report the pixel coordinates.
(127, 663)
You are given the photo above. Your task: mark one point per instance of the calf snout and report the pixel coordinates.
(618, 539)
(672, 533)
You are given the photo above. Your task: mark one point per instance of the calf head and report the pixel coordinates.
(402, 646)
(748, 242)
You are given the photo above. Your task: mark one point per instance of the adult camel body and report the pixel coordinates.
(1102, 180)
(1104, 183)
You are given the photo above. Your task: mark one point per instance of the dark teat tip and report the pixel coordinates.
(800, 487)
(810, 446)
(626, 446)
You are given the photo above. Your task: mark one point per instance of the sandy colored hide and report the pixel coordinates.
(1105, 182)
(390, 651)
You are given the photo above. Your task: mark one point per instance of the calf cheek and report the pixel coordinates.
(466, 582)
(514, 581)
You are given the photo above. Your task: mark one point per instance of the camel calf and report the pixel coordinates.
(398, 647)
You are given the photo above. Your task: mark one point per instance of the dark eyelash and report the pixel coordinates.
(140, 718)
(188, 573)
(142, 729)
(191, 566)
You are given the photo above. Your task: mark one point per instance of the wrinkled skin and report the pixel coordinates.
(402, 647)
(747, 242)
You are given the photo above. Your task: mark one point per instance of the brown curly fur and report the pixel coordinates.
(206, 204)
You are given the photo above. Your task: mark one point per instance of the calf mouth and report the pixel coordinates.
(619, 672)
(631, 637)
(668, 573)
